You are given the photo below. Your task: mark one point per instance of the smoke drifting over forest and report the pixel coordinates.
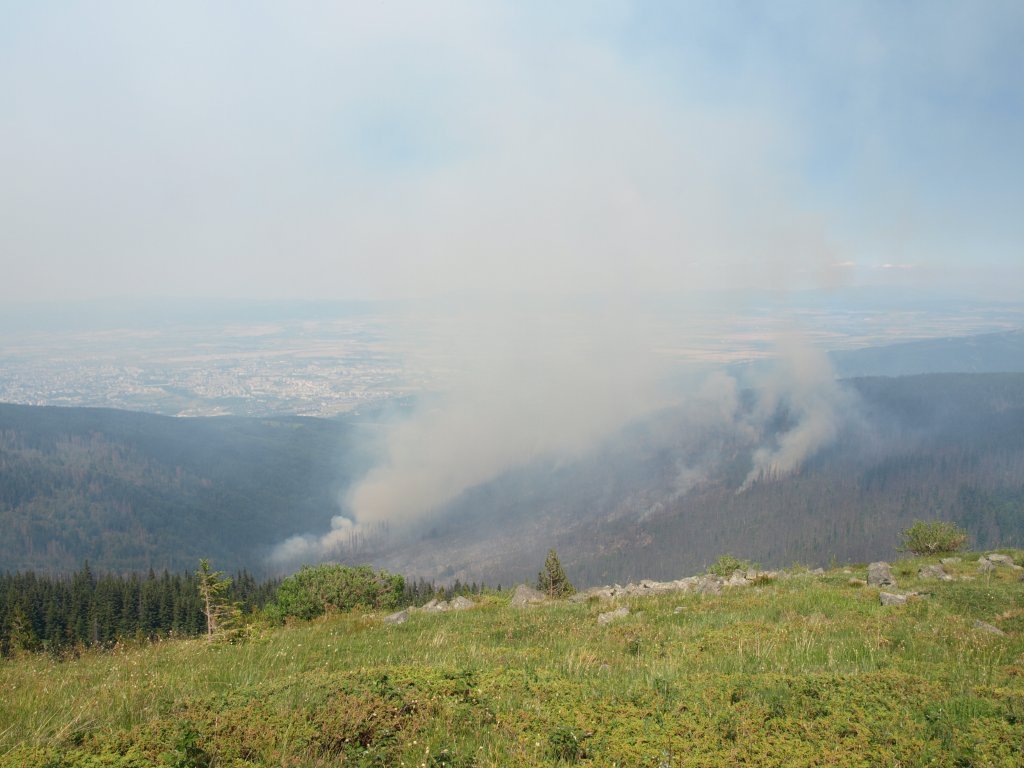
(556, 402)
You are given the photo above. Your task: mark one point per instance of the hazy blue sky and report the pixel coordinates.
(389, 149)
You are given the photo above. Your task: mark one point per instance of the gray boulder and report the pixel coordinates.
(610, 616)
(950, 561)
(738, 579)
(889, 598)
(1000, 560)
(460, 603)
(708, 585)
(525, 596)
(985, 566)
(435, 606)
(933, 572)
(880, 575)
(398, 617)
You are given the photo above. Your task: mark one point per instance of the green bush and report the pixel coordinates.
(726, 565)
(316, 589)
(934, 537)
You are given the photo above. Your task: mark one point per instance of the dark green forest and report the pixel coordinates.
(67, 613)
(132, 491)
(40, 612)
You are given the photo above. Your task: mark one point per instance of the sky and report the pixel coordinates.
(317, 150)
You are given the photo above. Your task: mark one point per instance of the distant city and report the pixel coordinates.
(328, 367)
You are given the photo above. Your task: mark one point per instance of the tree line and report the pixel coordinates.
(40, 612)
(57, 614)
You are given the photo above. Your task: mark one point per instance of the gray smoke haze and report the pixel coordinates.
(803, 383)
(538, 394)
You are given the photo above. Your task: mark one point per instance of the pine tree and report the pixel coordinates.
(552, 581)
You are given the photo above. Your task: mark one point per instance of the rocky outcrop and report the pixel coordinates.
(705, 584)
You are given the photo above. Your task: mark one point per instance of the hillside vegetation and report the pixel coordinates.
(130, 491)
(133, 491)
(798, 670)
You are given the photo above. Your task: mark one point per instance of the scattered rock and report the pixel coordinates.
(525, 596)
(610, 616)
(679, 609)
(857, 582)
(880, 575)
(738, 579)
(986, 627)
(460, 603)
(398, 617)
(985, 566)
(817, 572)
(708, 585)
(933, 572)
(950, 560)
(435, 606)
(889, 598)
(1000, 559)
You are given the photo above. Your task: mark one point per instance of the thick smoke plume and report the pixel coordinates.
(547, 391)
(802, 384)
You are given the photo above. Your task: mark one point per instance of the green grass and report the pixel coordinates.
(802, 671)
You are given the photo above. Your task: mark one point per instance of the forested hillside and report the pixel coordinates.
(947, 446)
(665, 496)
(132, 491)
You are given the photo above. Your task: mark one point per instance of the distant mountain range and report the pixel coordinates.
(666, 496)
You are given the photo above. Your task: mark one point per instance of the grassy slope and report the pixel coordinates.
(803, 671)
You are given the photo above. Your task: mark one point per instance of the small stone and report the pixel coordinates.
(525, 596)
(986, 627)
(854, 582)
(880, 575)
(818, 572)
(460, 603)
(889, 598)
(950, 560)
(399, 617)
(986, 566)
(679, 609)
(610, 616)
(933, 572)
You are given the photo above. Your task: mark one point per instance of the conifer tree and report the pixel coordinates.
(552, 581)
(213, 587)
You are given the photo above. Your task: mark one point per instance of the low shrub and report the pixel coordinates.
(933, 537)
